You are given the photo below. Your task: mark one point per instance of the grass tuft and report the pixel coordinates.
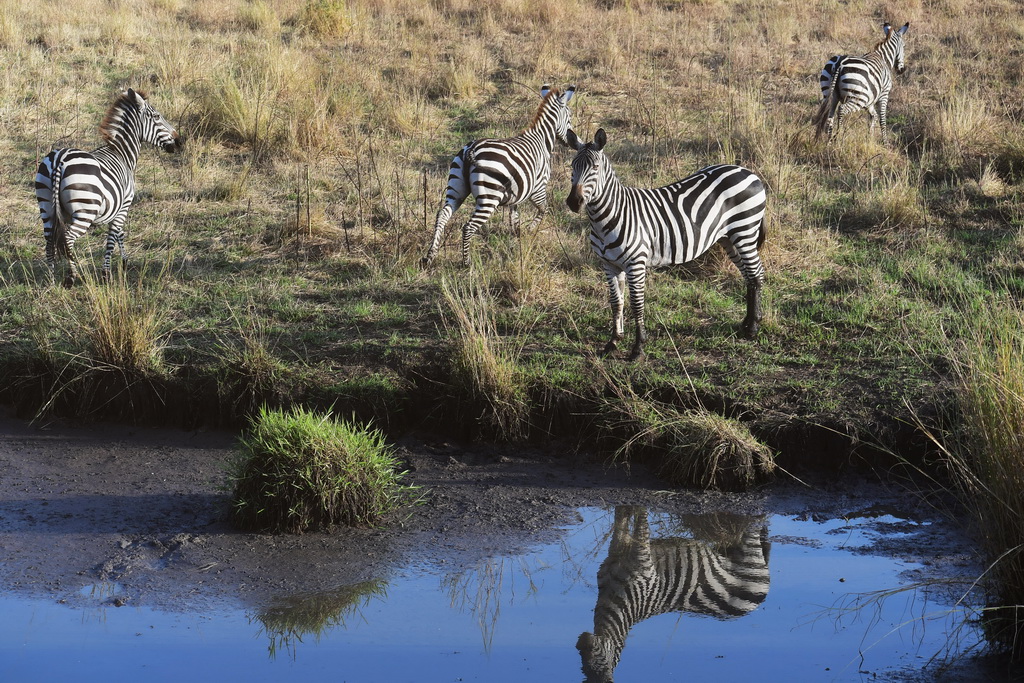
(693, 447)
(483, 365)
(301, 471)
(985, 457)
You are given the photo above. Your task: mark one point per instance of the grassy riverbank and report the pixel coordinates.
(276, 258)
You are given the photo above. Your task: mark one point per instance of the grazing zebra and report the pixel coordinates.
(77, 189)
(723, 574)
(849, 84)
(635, 229)
(505, 172)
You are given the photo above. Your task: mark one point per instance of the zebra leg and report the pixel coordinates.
(540, 200)
(483, 211)
(455, 194)
(752, 269)
(616, 288)
(51, 243)
(444, 214)
(752, 323)
(841, 111)
(883, 107)
(45, 197)
(637, 277)
(115, 236)
(79, 225)
(69, 247)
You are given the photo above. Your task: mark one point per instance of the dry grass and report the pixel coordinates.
(693, 447)
(483, 364)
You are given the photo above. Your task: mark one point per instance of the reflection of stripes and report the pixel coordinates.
(505, 172)
(643, 577)
(849, 84)
(78, 189)
(635, 229)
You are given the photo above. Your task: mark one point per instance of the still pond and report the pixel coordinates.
(627, 592)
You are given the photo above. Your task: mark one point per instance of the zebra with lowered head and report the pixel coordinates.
(78, 189)
(505, 172)
(849, 84)
(633, 229)
(721, 572)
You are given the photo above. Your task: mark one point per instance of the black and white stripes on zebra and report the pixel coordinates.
(77, 189)
(505, 172)
(849, 84)
(721, 572)
(634, 229)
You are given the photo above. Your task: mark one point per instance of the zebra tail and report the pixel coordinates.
(59, 226)
(821, 118)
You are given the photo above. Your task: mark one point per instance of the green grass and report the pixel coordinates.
(984, 454)
(304, 471)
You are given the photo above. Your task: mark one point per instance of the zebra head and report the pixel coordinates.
(557, 106)
(897, 40)
(599, 658)
(589, 169)
(153, 127)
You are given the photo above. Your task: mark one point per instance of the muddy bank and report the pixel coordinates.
(144, 510)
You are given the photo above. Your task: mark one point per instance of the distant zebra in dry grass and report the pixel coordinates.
(849, 84)
(505, 172)
(721, 572)
(78, 189)
(634, 229)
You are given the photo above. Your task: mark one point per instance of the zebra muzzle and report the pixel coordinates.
(176, 145)
(575, 199)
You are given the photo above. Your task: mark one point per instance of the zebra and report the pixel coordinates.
(849, 84)
(634, 229)
(722, 572)
(505, 172)
(77, 189)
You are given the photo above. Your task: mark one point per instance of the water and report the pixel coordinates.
(521, 618)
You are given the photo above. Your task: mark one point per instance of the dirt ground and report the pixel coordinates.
(145, 509)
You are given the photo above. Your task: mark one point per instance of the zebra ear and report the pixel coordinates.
(904, 28)
(886, 27)
(569, 92)
(600, 139)
(545, 89)
(574, 142)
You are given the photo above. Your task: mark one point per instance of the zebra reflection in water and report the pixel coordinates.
(722, 571)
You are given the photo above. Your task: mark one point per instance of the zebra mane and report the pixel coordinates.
(883, 41)
(543, 105)
(113, 119)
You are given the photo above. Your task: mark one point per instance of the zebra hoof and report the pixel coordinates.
(750, 330)
(69, 281)
(425, 262)
(609, 349)
(636, 354)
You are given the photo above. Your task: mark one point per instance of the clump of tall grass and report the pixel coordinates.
(692, 447)
(303, 471)
(985, 458)
(891, 200)
(961, 128)
(259, 17)
(250, 373)
(101, 344)
(324, 18)
(483, 365)
(125, 325)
